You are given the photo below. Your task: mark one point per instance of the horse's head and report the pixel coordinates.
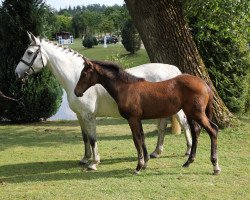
(33, 59)
(88, 78)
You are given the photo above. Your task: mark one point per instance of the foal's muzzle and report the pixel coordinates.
(78, 94)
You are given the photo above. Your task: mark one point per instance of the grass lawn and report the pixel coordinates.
(40, 161)
(114, 52)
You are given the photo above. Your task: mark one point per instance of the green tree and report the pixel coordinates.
(41, 96)
(106, 25)
(130, 37)
(64, 23)
(79, 24)
(221, 32)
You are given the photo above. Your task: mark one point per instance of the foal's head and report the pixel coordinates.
(88, 78)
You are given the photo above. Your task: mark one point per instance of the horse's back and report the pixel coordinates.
(155, 72)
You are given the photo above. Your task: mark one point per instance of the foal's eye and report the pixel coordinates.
(29, 53)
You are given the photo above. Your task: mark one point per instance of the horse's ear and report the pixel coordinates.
(29, 35)
(33, 39)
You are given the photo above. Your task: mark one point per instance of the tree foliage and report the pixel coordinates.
(221, 31)
(130, 37)
(41, 96)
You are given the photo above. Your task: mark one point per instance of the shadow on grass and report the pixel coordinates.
(75, 123)
(59, 170)
(67, 170)
(42, 135)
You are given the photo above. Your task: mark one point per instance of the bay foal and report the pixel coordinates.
(138, 99)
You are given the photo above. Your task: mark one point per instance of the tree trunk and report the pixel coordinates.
(167, 39)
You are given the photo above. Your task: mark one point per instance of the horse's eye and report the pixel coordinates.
(29, 53)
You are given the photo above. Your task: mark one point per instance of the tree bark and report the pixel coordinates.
(167, 39)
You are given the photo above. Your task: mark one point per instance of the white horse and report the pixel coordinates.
(66, 65)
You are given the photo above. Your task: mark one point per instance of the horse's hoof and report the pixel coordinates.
(136, 173)
(154, 155)
(83, 161)
(216, 172)
(92, 167)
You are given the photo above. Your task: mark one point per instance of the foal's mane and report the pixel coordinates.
(114, 71)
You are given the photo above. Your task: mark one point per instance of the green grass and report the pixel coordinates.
(114, 52)
(40, 161)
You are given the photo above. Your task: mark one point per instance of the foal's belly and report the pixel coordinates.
(155, 112)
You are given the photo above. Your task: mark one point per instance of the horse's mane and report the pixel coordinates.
(114, 71)
(65, 49)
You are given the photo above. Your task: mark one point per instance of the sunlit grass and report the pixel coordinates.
(40, 161)
(116, 51)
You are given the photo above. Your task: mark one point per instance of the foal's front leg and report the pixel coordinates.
(135, 125)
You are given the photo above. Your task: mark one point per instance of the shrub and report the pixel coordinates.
(41, 95)
(89, 41)
(130, 37)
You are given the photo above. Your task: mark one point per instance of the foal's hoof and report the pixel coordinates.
(216, 172)
(186, 165)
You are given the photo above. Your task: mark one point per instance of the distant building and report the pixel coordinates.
(64, 37)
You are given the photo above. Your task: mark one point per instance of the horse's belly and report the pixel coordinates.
(106, 105)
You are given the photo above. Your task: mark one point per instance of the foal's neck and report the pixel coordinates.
(113, 86)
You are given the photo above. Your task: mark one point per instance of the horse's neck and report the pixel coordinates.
(65, 66)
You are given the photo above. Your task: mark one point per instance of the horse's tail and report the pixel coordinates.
(209, 108)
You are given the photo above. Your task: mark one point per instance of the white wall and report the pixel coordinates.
(64, 112)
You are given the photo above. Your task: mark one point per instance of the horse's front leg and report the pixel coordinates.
(87, 149)
(90, 124)
(161, 127)
(135, 125)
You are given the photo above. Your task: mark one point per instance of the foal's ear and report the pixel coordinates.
(88, 63)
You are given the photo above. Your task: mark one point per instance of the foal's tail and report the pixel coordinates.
(209, 108)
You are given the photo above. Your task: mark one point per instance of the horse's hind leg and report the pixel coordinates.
(212, 130)
(195, 132)
(161, 126)
(181, 117)
(87, 150)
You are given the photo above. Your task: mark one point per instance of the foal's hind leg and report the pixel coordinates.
(144, 148)
(161, 126)
(195, 132)
(212, 130)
